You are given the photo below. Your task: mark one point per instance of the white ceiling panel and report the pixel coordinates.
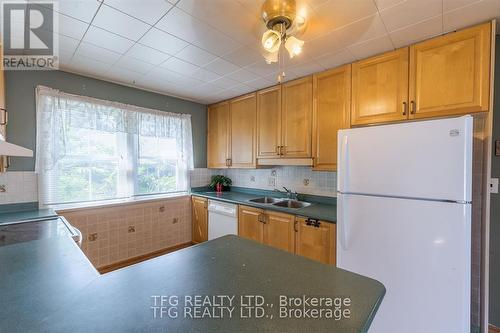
(195, 55)
(335, 59)
(147, 54)
(475, 13)
(371, 47)
(180, 66)
(97, 53)
(119, 23)
(80, 9)
(163, 42)
(410, 12)
(107, 40)
(189, 28)
(417, 32)
(208, 50)
(149, 11)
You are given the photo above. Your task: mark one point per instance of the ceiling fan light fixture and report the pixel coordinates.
(294, 46)
(271, 40)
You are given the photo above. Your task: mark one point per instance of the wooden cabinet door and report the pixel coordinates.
(450, 75)
(242, 143)
(380, 88)
(199, 219)
(331, 111)
(296, 118)
(218, 135)
(316, 240)
(251, 223)
(268, 122)
(278, 231)
(3, 107)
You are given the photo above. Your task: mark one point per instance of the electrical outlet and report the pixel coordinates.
(252, 178)
(273, 173)
(271, 181)
(93, 237)
(494, 185)
(131, 228)
(175, 220)
(306, 182)
(3, 188)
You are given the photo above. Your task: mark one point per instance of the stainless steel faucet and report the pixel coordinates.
(289, 194)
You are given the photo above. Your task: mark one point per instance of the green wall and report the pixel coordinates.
(494, 313)
(20, 89)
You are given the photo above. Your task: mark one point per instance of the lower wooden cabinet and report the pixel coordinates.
(309, 238)
(199, 219)
(316, 240)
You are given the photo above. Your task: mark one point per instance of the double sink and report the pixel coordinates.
(286, 203)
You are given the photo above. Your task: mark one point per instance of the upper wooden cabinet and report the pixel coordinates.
(380, 88)
(451, 74)
(199, 219)
(316, 240)
(331, 111)
(218, 135)
(269, 122)
(231, 133)
(242, 141)
(296, 118)
(278, 231)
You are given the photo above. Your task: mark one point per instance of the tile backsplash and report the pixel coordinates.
(299, 179)
(19, 186)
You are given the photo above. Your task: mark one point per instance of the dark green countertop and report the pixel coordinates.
(121, 301)
(27, 215)
(325, 211)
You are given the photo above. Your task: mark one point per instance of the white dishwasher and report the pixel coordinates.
(222, 219)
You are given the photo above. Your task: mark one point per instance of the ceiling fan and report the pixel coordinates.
(283, 23)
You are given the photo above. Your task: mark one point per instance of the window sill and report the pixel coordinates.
(67, 208)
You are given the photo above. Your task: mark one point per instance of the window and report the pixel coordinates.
(93, 150)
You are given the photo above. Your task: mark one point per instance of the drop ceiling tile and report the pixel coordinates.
(417, 32)
(240, 89)
(180, 66)
(189, 28)
(97, 53)
(359, 31)
(107, 40)
(71, 27)
(204, 75)
(337, 13)
(242, 76)
(119, 23)
(83, 10)
(161, 74)
(336, 59)
(449, 5)
(261, 68)
(134, 65)
(243, 56)
(87, 65)
(325, 44)
(261, 83)
(147, 54)
(163, 42)
(410, 12)
(149, 11)
(123, 75)
(371, 47)
(221, 66)
(308, 68)
(195, 55)
(225, 83)
(384, 4)
(216, 13)
(472, 14)
(67, 44)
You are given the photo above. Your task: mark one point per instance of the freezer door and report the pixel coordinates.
(419, 250)
(427, 159)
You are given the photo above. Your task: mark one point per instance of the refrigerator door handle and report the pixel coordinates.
(342, 222)
(344, 165)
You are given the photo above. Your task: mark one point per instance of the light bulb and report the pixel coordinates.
(294, 46)
(271, 40)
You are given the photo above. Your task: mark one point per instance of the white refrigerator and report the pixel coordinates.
(404, 219)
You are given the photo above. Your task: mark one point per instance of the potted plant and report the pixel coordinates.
(220, 183)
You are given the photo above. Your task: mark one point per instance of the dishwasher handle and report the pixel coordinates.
(222, 208)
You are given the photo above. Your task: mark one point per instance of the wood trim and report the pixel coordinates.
(285, 161)
(141, 258)
(493, 329)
